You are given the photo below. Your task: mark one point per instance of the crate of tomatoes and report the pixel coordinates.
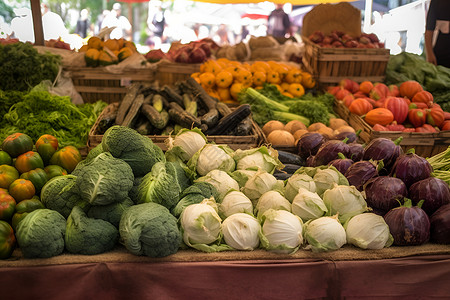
(404, 111)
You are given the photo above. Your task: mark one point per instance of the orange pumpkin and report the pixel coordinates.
(446, 125)
(435, 116)
(409, 88)
(360, 107)
(382, 116)
(423, 97)
(22, 189)
(67, 157)
(398, 107)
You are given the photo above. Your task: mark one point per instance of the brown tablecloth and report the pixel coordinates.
(415, 274)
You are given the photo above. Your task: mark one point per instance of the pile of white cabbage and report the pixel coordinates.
(314, 209)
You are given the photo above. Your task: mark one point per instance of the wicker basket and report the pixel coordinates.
(95, 84)
(234, 142)
(424, 144)
(169, 73)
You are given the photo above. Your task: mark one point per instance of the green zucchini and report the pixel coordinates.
(182, 117)
(171, 95)
(157, 102)
(228, 123)
(158, 120)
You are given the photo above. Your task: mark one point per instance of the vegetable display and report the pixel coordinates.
(222, 200)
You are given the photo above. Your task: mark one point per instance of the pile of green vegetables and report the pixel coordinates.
(435, 79)
(38, 112)
(23, 66)
(269, 104)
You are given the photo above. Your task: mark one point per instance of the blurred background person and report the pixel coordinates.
(22, 25)
(83, 25)
(437, 34)
(52, 24)
(98, 22)
(115, 19)
(278, 23)
(156, 23)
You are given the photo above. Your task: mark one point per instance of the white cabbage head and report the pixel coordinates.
(201, 223)
(281, 231)
(325, 234)
(235, 202)
(308, 205)
(241, 231)
(297, 181)
(272, 200)
(368, 231)
(344, 200)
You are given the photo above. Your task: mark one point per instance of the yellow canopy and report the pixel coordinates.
(293, 2)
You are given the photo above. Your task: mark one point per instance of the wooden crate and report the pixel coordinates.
(169, 73)
(234, 142)
(95, 84)
(330, 65)
(424, 144)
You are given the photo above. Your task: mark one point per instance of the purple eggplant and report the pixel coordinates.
(329, 151)
(309, 144)
(411, 168)
(383, 149)
(409, 225)
(342, 163)
(440, 225)
(356, 151)
(383, 193)
(351, 136)
(434, 191)
(360, 172)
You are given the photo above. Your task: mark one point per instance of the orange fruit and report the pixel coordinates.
(235, 89)
(207, 80)
(296, 90)
(294, 75)
(273, 77)
(259, 78)
(224, 94)
(224, 79)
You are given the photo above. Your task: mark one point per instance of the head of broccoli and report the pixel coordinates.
(149, 229)
(104, 180)
(61, 194)
(41, 234)
(89, 236)
(135, 149)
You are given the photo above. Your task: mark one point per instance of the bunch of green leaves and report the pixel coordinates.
(39, 112)
(314, 110)
(22, 67)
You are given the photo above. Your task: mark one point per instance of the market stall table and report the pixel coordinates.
(414, 272)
